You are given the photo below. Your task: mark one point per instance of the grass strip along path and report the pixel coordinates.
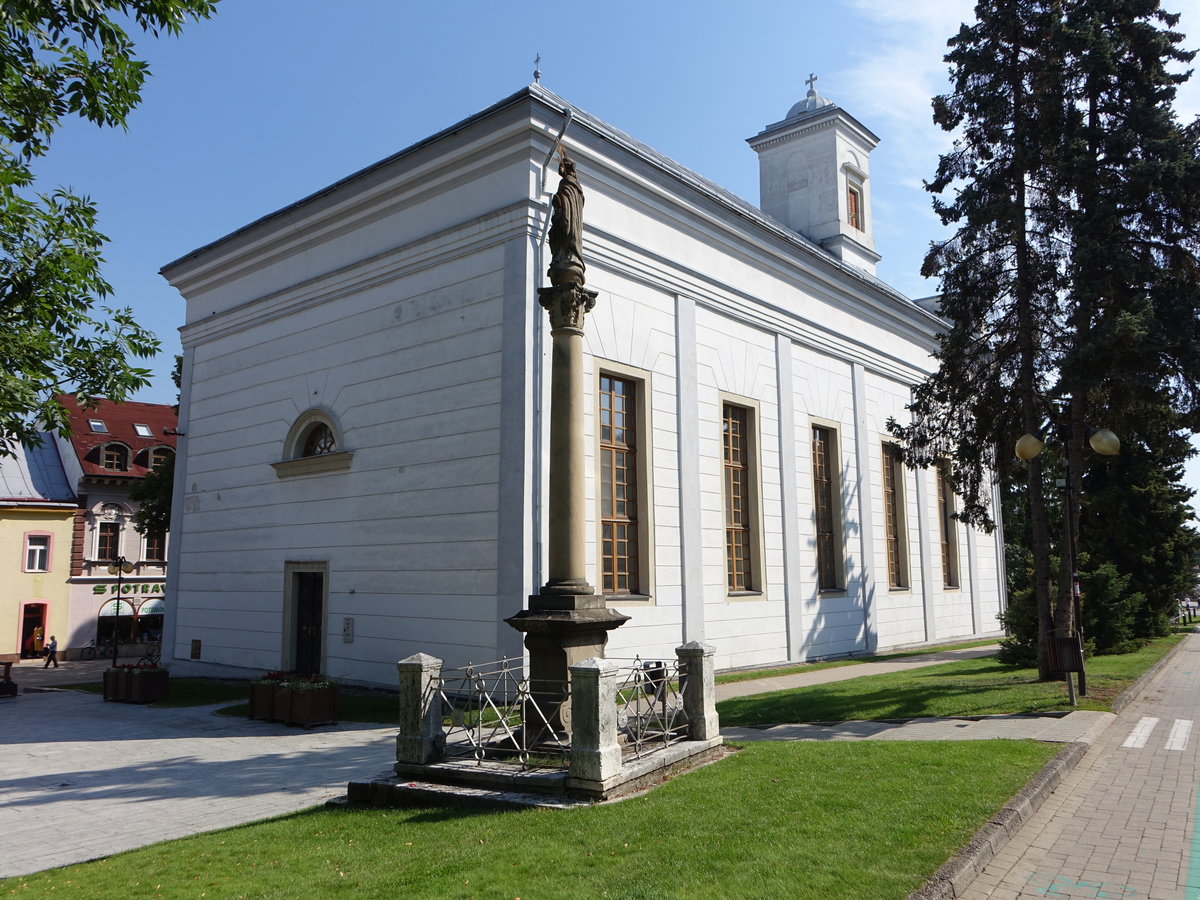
(971, 687)
(802, 820)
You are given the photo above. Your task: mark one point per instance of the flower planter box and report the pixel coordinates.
(281, 704)
(136, 685)
(312, 707)
(262, 701)
(293, 700)
(116, 684)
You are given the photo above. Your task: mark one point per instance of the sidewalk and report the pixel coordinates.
(1084, 726)
(81, 779)
(845, 673)
(1123, 822)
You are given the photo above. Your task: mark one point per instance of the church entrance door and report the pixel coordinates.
(310, 615)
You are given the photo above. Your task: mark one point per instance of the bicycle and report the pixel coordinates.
(152, 655)
(92, 650)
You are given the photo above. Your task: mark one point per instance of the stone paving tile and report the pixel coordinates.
(1120, 824)
(1082, 725)
(82, 778)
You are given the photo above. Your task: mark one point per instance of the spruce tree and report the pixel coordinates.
(1129, 358)
(1001, 271)
(1070, 284)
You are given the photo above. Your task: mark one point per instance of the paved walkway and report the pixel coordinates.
(1122, 824)
(81, 778)
(845, 673)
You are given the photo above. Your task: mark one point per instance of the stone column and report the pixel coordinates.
(595, 753)
(699, 690)
(567, 305)
(566, 621)
(421, 739)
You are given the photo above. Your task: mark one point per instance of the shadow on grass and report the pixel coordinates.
(967, 688)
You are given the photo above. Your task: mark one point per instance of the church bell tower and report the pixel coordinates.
(815, 177)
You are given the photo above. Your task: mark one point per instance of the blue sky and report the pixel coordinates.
(271, 100)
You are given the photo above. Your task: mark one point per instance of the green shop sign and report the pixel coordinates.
(134, 588)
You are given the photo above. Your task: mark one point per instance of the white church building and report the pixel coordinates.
(366, 396)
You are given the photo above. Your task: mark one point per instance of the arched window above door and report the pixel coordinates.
(313, 444)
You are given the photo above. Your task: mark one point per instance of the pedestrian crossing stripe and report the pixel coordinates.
(1177, 739)
(1141, 733)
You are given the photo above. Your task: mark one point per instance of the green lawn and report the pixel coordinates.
(971, 687)
(797, 820)
(753, 674)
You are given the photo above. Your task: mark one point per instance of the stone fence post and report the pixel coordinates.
(699, 690)
(595, 753)
(421, 739)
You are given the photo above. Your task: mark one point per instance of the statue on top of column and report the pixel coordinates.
(566, 228)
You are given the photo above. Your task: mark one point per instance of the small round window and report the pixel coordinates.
(318, 441)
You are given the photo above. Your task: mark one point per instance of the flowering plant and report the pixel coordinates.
(312, 683)
(271, 678)
(137, 669)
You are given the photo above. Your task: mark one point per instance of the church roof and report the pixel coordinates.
(536, 91)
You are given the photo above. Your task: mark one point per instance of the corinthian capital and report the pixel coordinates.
(567, 304)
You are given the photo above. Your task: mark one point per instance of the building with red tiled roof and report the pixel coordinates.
(111, 447)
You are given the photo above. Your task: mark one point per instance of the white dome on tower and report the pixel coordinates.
(812, 101)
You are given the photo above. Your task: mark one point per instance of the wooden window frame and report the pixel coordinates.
(118, 454)
(854, 206)
(149, 541)
(103, 528)
(827, 517)
(641, 590)
(742, 511)
(617, 407)
(157, 456)
(949, 529)
(894, 522)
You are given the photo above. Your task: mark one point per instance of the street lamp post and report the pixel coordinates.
(1105, 443)
(120, 567)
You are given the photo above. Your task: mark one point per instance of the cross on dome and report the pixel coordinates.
(812, 100)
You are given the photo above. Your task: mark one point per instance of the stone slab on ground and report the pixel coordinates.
(1082, 726)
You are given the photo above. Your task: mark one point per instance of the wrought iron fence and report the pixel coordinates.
(650, 714)
(492, 713)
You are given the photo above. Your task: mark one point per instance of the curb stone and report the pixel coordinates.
(957, 873)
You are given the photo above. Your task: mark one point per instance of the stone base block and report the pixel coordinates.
(500, 786)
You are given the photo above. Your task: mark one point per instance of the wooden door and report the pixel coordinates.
(310, 615)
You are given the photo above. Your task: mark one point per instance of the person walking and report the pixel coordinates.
(51, 653)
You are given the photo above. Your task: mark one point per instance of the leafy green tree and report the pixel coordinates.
(61, 58)
(155, 492)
